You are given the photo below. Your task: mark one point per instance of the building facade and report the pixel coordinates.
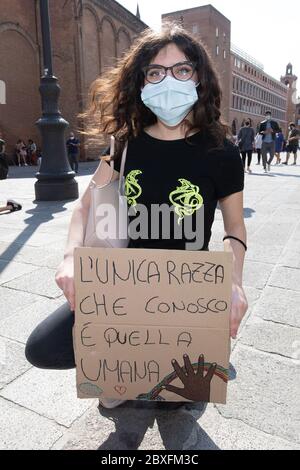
(253, 92)
(214, 31)
(87, 37)
(290, 81)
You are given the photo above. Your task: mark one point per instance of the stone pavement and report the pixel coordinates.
(39, 409)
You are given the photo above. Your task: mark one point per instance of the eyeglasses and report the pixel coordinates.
(182, 71)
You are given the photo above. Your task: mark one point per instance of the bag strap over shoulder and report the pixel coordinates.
(123, 159)
(111, 166)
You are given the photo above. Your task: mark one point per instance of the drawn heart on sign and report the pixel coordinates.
(120, 389)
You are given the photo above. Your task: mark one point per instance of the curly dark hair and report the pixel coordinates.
(115, 105)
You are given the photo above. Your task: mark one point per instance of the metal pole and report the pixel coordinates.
(55, 179)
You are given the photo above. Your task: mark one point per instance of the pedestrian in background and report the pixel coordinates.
(21, 152)
(293, 143)
(258, 145)
(73, 145)
(246, 138)
(268, 129)
(31, 153)
(279, 142)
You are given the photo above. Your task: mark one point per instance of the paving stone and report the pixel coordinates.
(12, 301)
(264, 394)
(263, 253)
(12, 270)
(48, 255)
(49, 393)
(286, 278)
(290, 257)
(233, 434)
(12, 361)
(263, 401)
(20, 325)
(271, 337)
(256, 274)
(41, 281)
(30, 236)
(274, 234)
(21, 429)
(279, 305)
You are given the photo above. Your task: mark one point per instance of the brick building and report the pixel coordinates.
(248, 91)
(87, 37)
(290, 80)
(253, 92)
(214, 31)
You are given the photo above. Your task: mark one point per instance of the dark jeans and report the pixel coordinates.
(50, 345)
(73, 159)
(258, 155)
(248, 154)
(268, 147)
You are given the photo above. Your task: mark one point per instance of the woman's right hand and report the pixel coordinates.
(64, 278)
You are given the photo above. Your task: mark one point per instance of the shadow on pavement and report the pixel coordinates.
(248, 212)
(285, 174)
(16, 172)
(177, 424)
(43, 212)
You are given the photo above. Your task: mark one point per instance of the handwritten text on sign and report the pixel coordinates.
(152, 324)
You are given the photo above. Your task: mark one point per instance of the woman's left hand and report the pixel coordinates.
(239, 307)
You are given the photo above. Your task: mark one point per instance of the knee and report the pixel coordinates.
(33, 352)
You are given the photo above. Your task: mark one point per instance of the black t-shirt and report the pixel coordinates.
(188, 178)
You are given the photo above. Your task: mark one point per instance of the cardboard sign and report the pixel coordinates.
(152, 324)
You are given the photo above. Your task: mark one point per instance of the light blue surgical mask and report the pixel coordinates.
(170, 100)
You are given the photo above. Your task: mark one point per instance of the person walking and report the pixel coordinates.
(73, 145)
(21, 152)
(258, 145)
(292, 144)
(31, 152)
(246, 138)
(268, 129)
(164, 100)
(279, 142)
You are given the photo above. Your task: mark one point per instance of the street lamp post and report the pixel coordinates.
(55, 178)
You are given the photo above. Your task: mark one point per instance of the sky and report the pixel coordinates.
(266, 29)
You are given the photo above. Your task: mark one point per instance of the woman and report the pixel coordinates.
(164, 99)
(258, 146)
(31, 151)
(279, 141)
(246, 139)
(21, 152)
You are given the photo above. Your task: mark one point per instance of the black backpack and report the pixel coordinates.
(3, 167)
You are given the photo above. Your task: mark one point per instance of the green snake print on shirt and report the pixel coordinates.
(132, 188)
(186, 199)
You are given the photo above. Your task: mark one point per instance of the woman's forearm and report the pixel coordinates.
(238, 252)
(77, 229)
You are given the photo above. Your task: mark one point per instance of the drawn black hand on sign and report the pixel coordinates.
(196, 386)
